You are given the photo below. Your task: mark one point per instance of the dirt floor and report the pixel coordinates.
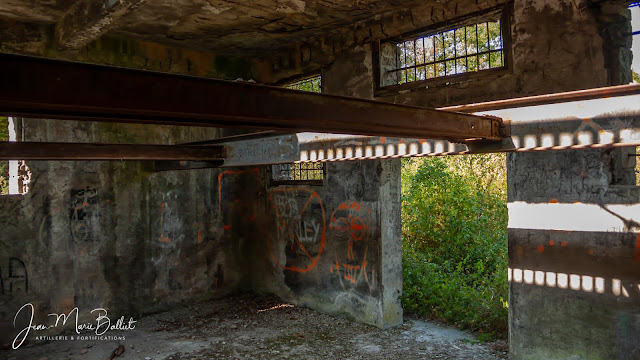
(250, 327)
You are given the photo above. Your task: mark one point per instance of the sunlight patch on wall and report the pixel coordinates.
(576, 282)
(571, 217)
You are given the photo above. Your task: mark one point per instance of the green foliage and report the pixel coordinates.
(637, 168)
(466, 49)
(635, 76)
(312, 84)
(454, 240)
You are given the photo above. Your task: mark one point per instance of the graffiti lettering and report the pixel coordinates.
(300, 220)
(14, 278)
(307, 231)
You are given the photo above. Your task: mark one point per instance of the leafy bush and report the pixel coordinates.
(454, 240)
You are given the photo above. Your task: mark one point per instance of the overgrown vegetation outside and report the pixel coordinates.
(4, 165)
(454, 216)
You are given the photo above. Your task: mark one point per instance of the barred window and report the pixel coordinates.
(464, 49)
(311, 84)
(298, 173)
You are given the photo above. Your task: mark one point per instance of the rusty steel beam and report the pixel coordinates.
(579, 95)
(37, 87)
(76, 151)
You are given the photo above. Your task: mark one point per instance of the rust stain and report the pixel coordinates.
(541, 248)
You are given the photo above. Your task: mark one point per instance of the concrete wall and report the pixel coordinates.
(336, 247)
(574, 247)
(111, 234)
(556, 46)
(116, 235)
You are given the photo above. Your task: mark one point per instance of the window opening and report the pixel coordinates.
(311, 84)
(15, 175)
(635, 44)
(458, 50)
(301, 173)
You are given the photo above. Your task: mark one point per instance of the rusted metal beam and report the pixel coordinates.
(172, 165)
(75, 151)
(579, 95)
(36, 87)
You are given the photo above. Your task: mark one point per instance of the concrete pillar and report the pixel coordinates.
(574, 255)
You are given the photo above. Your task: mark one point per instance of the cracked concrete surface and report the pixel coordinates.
(266, 328)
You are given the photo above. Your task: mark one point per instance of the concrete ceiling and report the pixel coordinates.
(229, 26)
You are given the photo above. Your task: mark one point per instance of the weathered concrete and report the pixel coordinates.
(265, 328)
(183, 236)
(574, 281)
(254, 27)
(110, 234)
(554, 46)
(336, 248)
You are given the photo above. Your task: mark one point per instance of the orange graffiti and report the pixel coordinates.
(288, 228)
(541, 248)
(590, 251)
(553, 201)
(354, 225)
(355, 230)
(351, 272)
(552, 243)
(199, 236)
(564, 243)
(383, 140)
(227, 227)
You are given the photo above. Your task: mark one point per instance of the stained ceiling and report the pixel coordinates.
(210, 25)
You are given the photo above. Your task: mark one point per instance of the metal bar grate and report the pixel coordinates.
(311, 84)
(311, 172)
(461, 50)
